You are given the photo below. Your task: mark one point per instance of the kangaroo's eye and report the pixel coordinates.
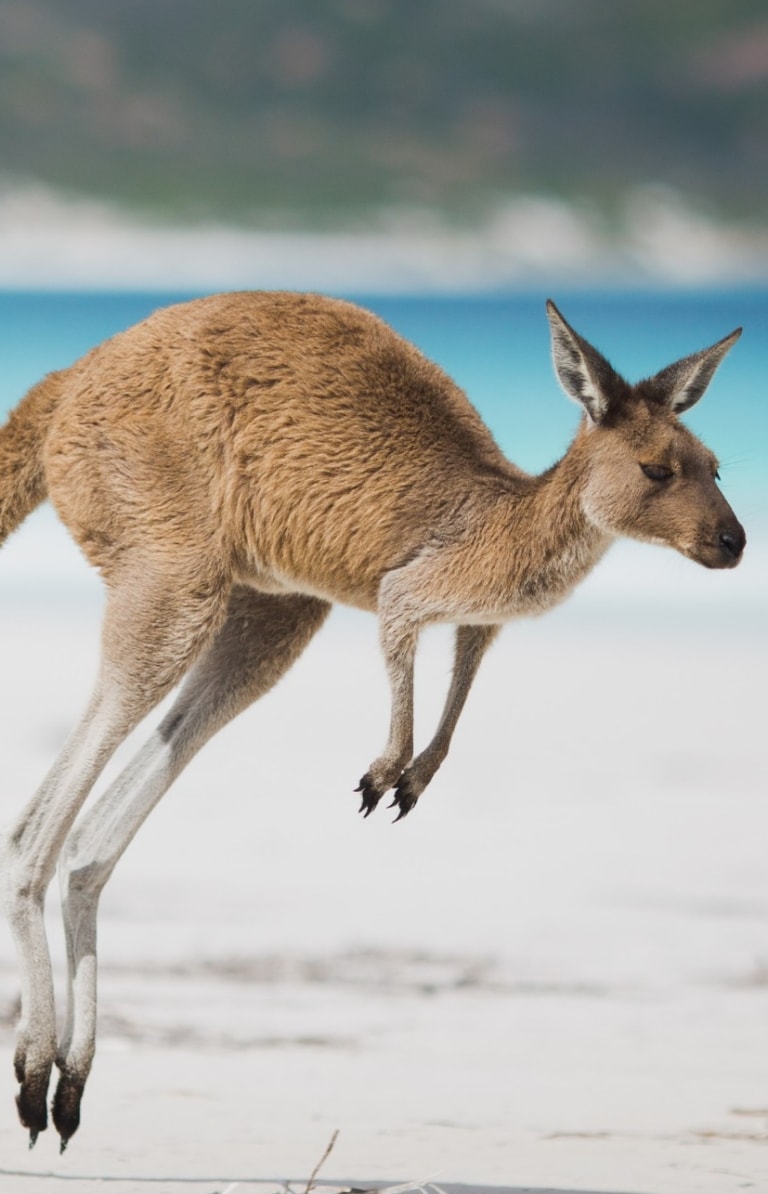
(657, 472)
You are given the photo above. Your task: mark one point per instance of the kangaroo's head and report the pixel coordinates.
(646, 476)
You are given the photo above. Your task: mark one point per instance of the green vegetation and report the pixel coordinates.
(289, 110)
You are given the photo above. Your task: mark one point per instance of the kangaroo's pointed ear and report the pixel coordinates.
(583, 372)
(681, 385)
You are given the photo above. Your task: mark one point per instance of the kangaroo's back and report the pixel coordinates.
(297, 434)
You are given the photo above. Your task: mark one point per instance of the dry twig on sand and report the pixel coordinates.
(321, 1162)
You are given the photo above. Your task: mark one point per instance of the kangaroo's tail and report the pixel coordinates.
(22, 478)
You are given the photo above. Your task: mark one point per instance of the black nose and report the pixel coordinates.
(733, 542)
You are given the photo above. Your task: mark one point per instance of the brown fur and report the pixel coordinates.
(234, 465)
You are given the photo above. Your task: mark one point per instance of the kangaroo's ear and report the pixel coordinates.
(681, 385)
(583, 372)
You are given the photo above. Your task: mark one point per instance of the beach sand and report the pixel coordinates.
(553, 975)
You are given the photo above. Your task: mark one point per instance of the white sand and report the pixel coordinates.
(552, 975)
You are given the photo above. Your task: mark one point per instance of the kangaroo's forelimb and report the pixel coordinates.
(408, 776)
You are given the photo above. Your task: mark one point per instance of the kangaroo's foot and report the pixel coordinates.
(33, 1093)
(66, 1105)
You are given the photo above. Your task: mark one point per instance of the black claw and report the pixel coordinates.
(66, 1107)
(30, 1104)
(404, 800)
(371, 797)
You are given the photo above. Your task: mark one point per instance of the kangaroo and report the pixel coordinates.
(235, 464)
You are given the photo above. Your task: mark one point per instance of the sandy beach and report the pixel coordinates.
(552, 976)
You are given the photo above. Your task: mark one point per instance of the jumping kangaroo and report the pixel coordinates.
(235, 464)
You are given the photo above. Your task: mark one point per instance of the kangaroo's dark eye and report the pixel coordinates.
(657, 472)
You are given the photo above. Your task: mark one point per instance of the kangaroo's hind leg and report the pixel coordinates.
(260, 639)
(154, 626)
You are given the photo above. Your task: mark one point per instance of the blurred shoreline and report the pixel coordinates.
(53, 240)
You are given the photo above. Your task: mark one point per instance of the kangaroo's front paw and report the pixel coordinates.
(382, 775)
(371, 795)
(406, 795)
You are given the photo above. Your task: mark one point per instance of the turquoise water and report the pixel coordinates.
(497, 348)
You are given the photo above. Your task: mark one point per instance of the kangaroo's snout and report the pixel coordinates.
(731, 541)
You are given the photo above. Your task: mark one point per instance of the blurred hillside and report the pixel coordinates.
(290, 113)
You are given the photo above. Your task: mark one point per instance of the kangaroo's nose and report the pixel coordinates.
(733, 541)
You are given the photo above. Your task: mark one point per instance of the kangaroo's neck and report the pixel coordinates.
(555, 543)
